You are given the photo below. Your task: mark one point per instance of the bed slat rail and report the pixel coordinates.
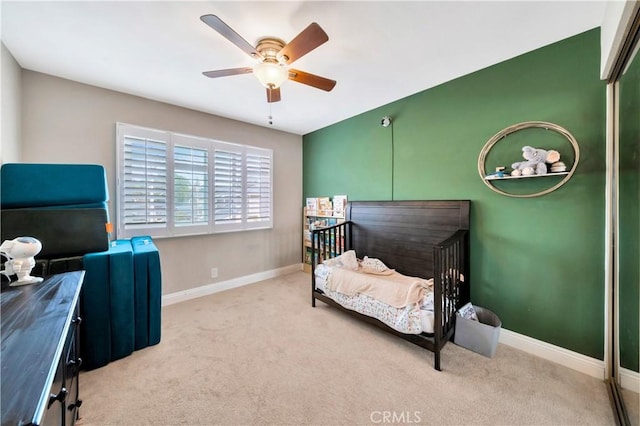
(327, 243)
(450, 280)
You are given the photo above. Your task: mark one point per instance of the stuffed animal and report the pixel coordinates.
(535, 163)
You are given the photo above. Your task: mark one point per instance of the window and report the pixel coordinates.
(172, 184)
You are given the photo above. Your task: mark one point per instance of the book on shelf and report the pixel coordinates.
(323, 222)
(339, 205)
(325, 206)
(312, 205)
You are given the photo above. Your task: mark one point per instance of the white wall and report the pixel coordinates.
(11, 101)
(69, 122)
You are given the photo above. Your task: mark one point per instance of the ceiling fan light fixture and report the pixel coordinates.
(274, 57)
(271, 74)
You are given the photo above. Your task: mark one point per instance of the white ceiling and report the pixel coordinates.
(378, 51)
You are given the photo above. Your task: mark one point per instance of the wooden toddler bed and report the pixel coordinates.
(425, 239)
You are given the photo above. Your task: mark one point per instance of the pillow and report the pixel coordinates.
(334, 261)
(373, 264)
(346, 260)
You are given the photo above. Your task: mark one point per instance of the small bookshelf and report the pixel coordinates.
(319, 213)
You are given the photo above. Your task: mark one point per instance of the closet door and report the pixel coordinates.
(628, 219)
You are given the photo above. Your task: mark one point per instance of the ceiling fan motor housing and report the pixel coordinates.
(269, 48)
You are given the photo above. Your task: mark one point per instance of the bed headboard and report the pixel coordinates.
(402, 233)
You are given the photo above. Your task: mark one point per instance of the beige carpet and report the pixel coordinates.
(260, 354)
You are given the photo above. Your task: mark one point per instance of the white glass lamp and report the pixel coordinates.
(271, 74)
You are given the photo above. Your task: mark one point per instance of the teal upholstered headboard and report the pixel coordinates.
(46, 185)
(62, 205)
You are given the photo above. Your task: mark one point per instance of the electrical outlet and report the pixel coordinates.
(214, 272)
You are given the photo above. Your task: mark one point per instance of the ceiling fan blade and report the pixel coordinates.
(273, 95)
(227, 32)
(310, 38)
(312, 80)
(230, 71)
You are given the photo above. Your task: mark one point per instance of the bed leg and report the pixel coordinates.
(436, 360)
(313, 301)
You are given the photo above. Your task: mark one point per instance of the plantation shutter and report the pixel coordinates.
(144, 183)
(228, 187)
(259, 187)
(191, 185)
(171, 184)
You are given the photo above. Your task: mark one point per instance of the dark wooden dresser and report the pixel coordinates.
(39, 358)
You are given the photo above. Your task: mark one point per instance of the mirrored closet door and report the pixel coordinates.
(624, 351)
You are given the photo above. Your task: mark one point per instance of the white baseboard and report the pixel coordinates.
(582, 363)
(629, 379)
(205, 290)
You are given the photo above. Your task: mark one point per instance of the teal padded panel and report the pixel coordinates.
(107, 305)
(148, 291)
(122, 299)
(39, 185)
(62, 231)
(95, 331)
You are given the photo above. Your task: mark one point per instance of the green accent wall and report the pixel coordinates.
(538, 263)
(629, 225)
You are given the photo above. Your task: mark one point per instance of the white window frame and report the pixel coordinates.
(171, 229)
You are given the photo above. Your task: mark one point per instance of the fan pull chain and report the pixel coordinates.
(270, 117)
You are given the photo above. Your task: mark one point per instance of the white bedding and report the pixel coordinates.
(412, 319)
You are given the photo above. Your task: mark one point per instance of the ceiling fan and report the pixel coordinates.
(274, 57)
